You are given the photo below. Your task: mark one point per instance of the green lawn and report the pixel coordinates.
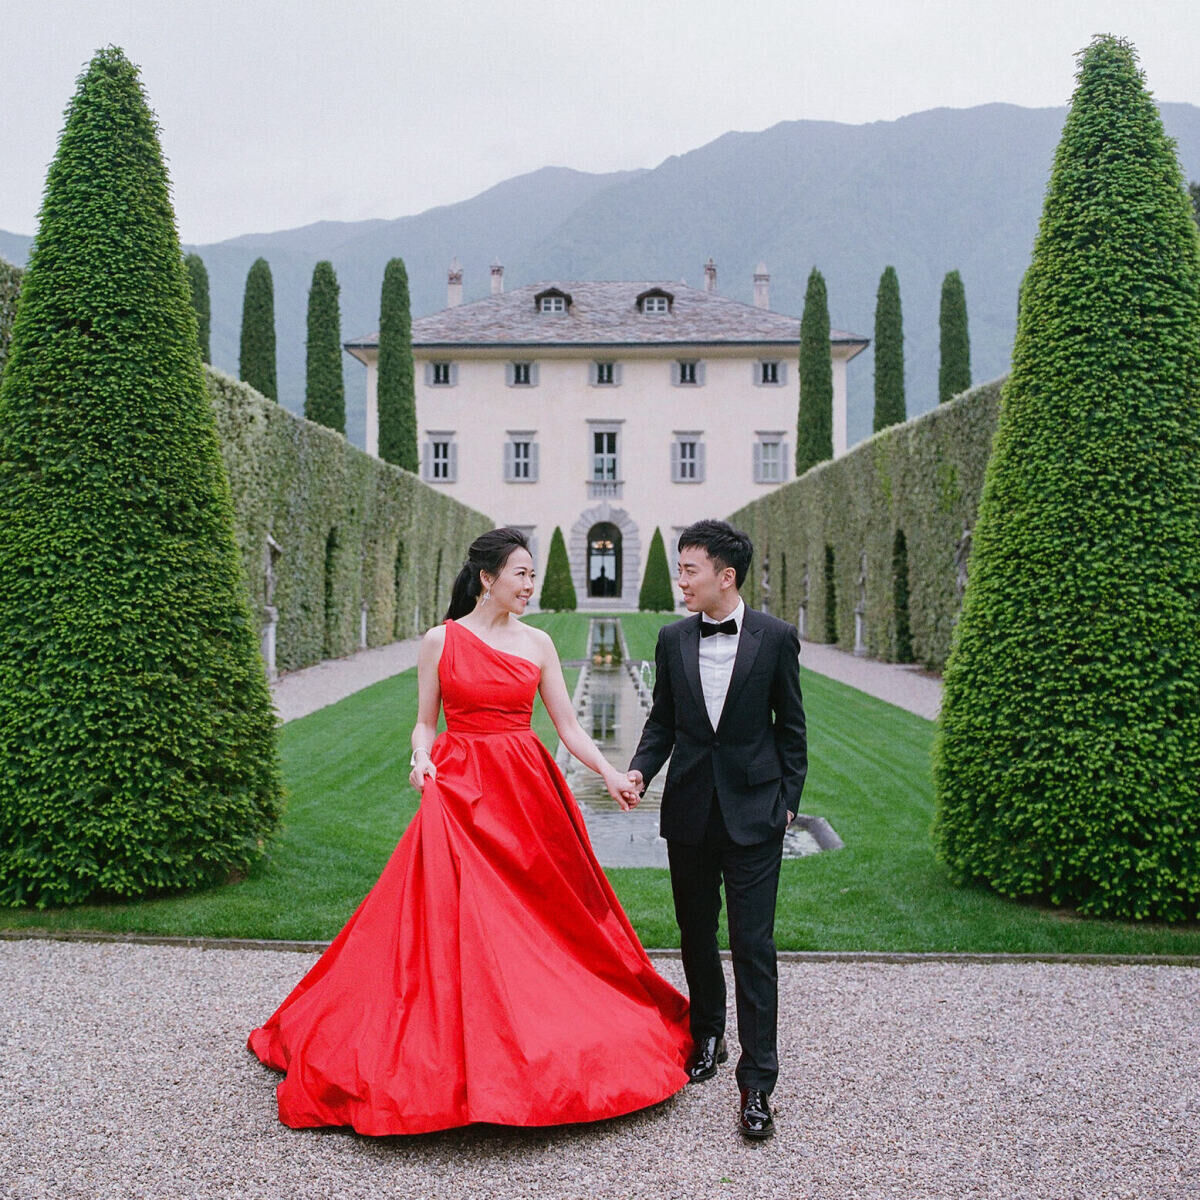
(346, 770)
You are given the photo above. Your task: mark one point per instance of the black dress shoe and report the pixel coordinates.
(755, 1120)
(708, 1053)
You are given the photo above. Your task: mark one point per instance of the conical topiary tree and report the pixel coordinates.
(137, 737)
(954, 366)
(1069, 750)
(558, 592)
(397, 396)
(324, 388)
(256, 364)
(198, 281)
(814, 419)
(889, 352)
(657, 594)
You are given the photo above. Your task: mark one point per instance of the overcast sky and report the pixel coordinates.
(275, 114)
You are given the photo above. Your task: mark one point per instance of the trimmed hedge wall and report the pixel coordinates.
(10, 289)
(922, 478)
(397, 543)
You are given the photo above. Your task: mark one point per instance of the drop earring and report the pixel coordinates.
(487, 595)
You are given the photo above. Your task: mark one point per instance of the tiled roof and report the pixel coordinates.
(604, 314)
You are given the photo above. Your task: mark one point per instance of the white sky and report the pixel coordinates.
(275, 114)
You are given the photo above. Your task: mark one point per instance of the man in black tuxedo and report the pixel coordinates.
(727, 709)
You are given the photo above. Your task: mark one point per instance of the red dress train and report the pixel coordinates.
(490, 974)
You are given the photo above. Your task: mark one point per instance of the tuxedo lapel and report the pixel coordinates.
(689, 649)
(747, 652)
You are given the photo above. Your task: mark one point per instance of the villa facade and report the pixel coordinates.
(607, 409)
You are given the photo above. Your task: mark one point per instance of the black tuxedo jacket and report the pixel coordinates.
(755, 761)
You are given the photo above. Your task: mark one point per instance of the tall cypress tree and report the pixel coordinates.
(954, 369)
(814, 419)
(558, 590)
(257, 360)
(657, 594)
(198, 280)
(324, 387)
(137, 737)
(397, 395)
(1069, 749)
(889, 352)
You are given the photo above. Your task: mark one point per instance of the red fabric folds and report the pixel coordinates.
(490, 974)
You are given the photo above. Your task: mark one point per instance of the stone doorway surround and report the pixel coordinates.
(631, 556)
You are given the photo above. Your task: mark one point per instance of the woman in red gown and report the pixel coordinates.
(490, 974)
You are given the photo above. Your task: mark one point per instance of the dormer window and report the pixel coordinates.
(655, 301)
(552, 300)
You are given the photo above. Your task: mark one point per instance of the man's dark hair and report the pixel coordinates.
(726, 546)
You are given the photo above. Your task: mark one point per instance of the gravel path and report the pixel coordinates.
(909, 687)
(123, 1074)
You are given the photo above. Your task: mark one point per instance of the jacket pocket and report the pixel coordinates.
(763, 772)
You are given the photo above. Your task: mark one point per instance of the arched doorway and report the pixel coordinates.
(604, 560)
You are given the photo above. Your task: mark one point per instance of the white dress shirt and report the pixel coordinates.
(717, 653)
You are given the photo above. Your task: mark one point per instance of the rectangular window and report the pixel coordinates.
(553, 304)
(604, 455)
(520, 457)
(439, 458)
(687, 458)
(521, 374)
(655, 304)
(687, 372)
(770, 458)
(441, 374)
(604, 372)
(770, 373)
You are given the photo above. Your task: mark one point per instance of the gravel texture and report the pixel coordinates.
(904, 685)
(123, 1073)
(302, 692)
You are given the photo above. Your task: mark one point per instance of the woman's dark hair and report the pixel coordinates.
(726, 546)
(488, 552)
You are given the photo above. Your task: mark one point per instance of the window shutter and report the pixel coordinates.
(699, 462)
(533, 374)
(616, 374)
(783, 462)
(533, 461)
(782, 369)
(510, 373)
(452, 473)
(699, 374)
(509, 462)
(675, 462)
(758, 462)
(429, 374)
(427, 461)
(675, 372)
(756, 373)
(453, 374)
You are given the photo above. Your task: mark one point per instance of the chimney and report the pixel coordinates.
(762, 297)
(497, 277)
(454, 284)
(710, 275)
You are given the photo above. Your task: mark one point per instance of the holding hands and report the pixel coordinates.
(625, 789)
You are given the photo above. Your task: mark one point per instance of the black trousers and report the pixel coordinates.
(751, 878)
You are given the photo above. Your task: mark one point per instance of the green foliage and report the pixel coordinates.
(657, 594)
(954, 369)
(137, 735)
(889, 352)
(1069, 753)
(397, 395)
(923, 477)
(10, 293)
(298, 482)
(558, 591)
(324, 389)
(904, 646)
(831, 629)
(257, 360)
(814, 419)
(198, 280)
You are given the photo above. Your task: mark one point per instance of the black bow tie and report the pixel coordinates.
(708, 628)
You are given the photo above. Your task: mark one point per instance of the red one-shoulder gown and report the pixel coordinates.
(490, 974)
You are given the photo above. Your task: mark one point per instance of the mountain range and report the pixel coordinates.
(939, 190)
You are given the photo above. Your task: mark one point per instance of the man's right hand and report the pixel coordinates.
(635, 779)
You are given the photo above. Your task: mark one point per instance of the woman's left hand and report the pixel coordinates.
(621, 789)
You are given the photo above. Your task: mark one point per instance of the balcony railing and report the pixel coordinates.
(606, 489)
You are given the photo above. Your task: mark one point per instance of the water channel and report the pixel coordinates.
(612, 699)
